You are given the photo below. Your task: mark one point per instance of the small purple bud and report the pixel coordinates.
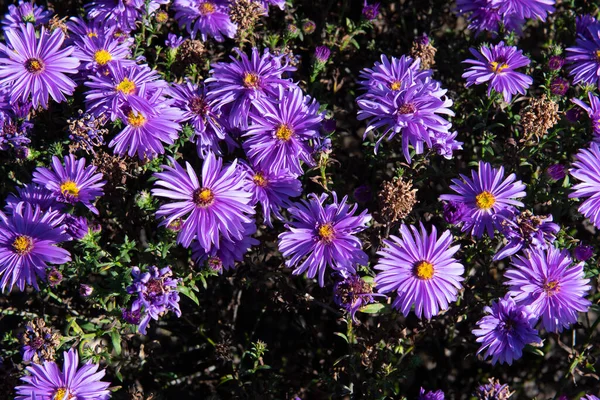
(574, 114)
(559, 86)
(85, 290)
(583, 252)
(556, 172)
(308, 27)
(322, 54)
(370, 11)
(363, 194)
(423, 40)
(454, 212)
(22, 152)
(54, 277)
(555, 63)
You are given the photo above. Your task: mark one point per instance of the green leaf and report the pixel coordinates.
(340, 334)
(115, 338)
(189, 293)
(372, 308)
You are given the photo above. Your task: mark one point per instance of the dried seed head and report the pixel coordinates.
(396, 199)
(423, 49)
(191, 52)
(39, 341)
(245, 13)
(539, 116)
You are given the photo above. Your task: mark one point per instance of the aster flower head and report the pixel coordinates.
(36, 196)
(493, 390)
(214, 210)
(497, 64)
(39, 341)
(525, 230)
(206, 17)
(583, 252)
(552, 288)
(484, 195)
(47, 381)
(72, 182)
(584, 57)
(97, 53)
(322, 235)
(445, 143)
(28, 239)
(124, 13)
(281, 134)
(431, 395)
(322, 54)
(37, 67)
(156, 293)
(555, 63)
(559, 86)
(370, 11)
(593, 111)
(25, 12)
(421, 269)
(585, 169)
(505, 330)
(352, 293)
(242, 82)
(173, 41)
(393, 74)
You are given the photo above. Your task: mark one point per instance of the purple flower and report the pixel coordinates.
(583, 57)
(267, 3)
(72, 183)
(124, 13)
(13, 133)
(47, 381)
(421, 269)
(556, 172)
(97, 53)
(445, 143)
(156, 294)
(392, 75)
(352, 293)
(484, 195)
(76, 227)
(25, 13)
(279, 138)
(493, 390)
(586, 170)
(28, 239)
(559, 86)
(555, 63)
(589, 397)
(217, 209)
(583, 22)
(208, 17)
(37, 67)
(173, 41)
(322, 54)
(505, 331)
(431, 395)
(574, 114)
(228, 253)
(583, 252)
(131, 317)
(321, 236)
(36, 196)
(552, 288)
(85, 290)
(525, 230)
(243, 82)
(593, 111)
(497, 65)
(370, 11)
(454, 212)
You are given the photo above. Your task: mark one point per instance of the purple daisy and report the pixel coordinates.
(505, 331)
(216, 210)
(97, 53)
(37, 67)
(420, 268)
(593, 111)
(552, 288)
(156, 293)
(583, 57)
(207, 17)
(25, 12)
(72, 183)
(393, 74)
(525, 230)
(484, 196)
(497, 65)
(28, 239)
(454, 212)
(150, 120)
(323, 235)
(173, 41)
(272, 190)
(36, 196)
(242, 82)
(431, 395)
(279, 138)
(587, 170)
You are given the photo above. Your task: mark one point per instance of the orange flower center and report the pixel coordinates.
(251, 80)
(102, 57)
(207, 8)
(424, 270)
(259, 180)
(284, 133)
(498, 67)
(396, 85)
(203, 197)
(135, 119)
(34, 65)
(551, 288)
(22, 244)
(326, 233)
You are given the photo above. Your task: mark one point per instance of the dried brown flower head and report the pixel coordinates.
(113, 168)
(58, 23)
(39, 342)
(86, 132)
(539, 116)
(191, 52)
(423, 49)
(245, 13)
(396, 199)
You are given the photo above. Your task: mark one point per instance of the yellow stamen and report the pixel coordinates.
(551, 288)
(207, 8)
(92, 34)
(284, 133)
(259, 180)
(485, 200)
(326, 233)
(135, 119)
(396, 85)
(126, 86)
(102, 57)
(69, 188)
(251, 80)
(34, 65)
(203, 197)
(424, 270)
(498, 67)
(22, 244)
(61, 394)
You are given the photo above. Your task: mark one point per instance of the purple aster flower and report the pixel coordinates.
(589, 397)
(54, 277)
(109, 92)
(552, 288)
(279, 138)
(131, 317)
(28, 239)
(309, 27)
(525, 230)
(36, 196)
(454, 212)
(431, 395)
(242, 82)
(156, 293)
(583, 57)
(150, 120)
(556, 172)
(484, 196)
(25, 12)
(207, 17)
(323, 235)
(202, 114)
(215, 210)
(124, 13)
(80, 28)
(228, 253)
(271, 190)
(593, 111)
(497, 65)
(583, 22)
(559, 86)
(583, 252)
(322, 54)
(47, 381)
(393, 74)
(13, 133)
(370, 11)
(586, 170)
(420, 268)
(445, 143)
(76, 227)
(173, 41)
(97, 53)
(555, 63)
(352, 293)
(72, 183)
(37, 67)
(493, 390)
(505, 331)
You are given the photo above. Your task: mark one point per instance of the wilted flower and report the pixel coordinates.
(493, 390)
(396, 199)
(423, 50)
(39, 341)
(352, 293)
(87, 131)
(540, 115)
(245, 13)
(525, 230)
(559, 86)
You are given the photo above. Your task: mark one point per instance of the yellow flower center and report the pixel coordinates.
(284, 133)
(126, 86)
(22, 244)
(92, 34)
(251, 80)
(396, 85)
(597, 55)
(69, 188)
(551, 288)
(498, 67)
(102, 57)
(424, 270)
(203, 197)
(207, 8)
(135, 119)
(162, 17)
(326, 233)
(259, 180)
(34, 65)
(485, 200)
(62, 394)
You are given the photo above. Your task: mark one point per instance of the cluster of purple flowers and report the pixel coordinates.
(400, 98)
